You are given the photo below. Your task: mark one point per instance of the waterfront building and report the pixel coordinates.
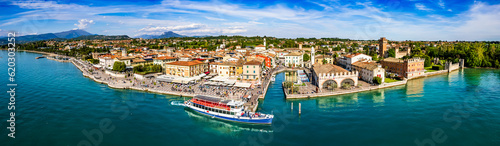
(185, 68)
(213, 67)
(267, 60)
(347, 60)
(407, 68)
(227, 69)
(329, 76)
(107, 61)
(368, 70)
(252, 70)
(124, 59)
(239, 67)
(164, 59)
(138, 61)
(294, 59)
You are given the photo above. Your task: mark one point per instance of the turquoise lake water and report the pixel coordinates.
(56, 105)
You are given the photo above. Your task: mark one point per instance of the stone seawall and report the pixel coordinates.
(127, 87)
(362, 89)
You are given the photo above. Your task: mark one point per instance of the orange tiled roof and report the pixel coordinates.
(185, 63)
(165, 58)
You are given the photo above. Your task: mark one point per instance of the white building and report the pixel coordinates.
(107, 61)
(329, 76)
(241, 50)
(368, 70)
(260, 48)
(347, 60)
(294, 59)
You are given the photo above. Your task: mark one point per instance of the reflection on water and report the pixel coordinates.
(378, 98)
(291, 76)
(453, 77)
(338, 103)
(415, 88)
(220, 127)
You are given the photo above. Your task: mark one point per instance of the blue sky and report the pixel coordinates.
(365, 19)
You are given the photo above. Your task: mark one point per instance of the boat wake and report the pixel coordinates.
(177, 103)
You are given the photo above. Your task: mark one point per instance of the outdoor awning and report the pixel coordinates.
(164, 80)
(243, 85)
(219, 79)
(177, 81)
(230, 82)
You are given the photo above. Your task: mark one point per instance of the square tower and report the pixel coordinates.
(382, 47)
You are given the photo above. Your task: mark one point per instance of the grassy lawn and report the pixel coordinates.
(145, 72)
(388, 80)
(429, 69)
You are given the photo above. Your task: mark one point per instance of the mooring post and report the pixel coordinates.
(292, 106)
(299, 108)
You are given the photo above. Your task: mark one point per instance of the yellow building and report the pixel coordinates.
(239, 67)
(185, 68)
(319, 59)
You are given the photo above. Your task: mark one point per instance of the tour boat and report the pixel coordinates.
(229, 110)
(273, 78)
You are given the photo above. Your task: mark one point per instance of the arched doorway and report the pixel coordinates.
(350, 82)
(330, 85)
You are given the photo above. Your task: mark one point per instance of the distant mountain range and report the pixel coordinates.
(102, 37)
(77, 34)
(47, 36)
(169, 34)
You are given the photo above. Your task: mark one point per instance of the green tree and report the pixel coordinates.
(391, 53)
(288, 84)
(346, 86)
(377, 80)
(138, 68)
(428, 61)
(119, 66)
(306, 57)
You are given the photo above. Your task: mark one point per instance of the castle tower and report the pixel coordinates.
(382, 47)
(312, 56)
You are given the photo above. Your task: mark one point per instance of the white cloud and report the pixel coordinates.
(280, 12)
(190, 29)
(441, 4)
(356, 21)
(479, 23)
(215, 19)
(172, 28)
(422, 7)
(36, 4)
(84, 23)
